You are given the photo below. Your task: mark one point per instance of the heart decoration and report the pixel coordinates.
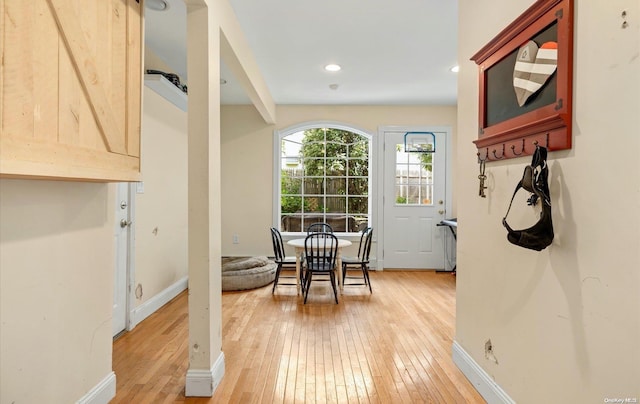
(534, 66)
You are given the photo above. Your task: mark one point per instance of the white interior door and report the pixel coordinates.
(414, 201)
(121, 239)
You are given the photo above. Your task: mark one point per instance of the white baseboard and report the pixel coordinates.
(480, 379)
(203, 383)
(152, 305)
(102, 392)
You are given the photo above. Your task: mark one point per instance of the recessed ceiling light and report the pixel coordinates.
(455, 69)
(157, 5)
(332, 68)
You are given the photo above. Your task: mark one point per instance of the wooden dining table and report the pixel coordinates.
(298, 244)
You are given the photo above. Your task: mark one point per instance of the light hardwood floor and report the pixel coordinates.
(392, 346)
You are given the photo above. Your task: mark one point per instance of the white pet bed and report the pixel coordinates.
(247, 273)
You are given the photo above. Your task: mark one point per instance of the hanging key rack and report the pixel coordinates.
(522, 147)
(506, 128)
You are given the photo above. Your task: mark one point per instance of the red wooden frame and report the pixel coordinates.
(549, 125)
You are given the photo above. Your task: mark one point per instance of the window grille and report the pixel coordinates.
(324, 177)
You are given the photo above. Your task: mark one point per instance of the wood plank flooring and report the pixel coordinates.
(392, 346)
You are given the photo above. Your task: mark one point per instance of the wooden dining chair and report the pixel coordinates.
(361, 261)
(284, 263)
(321, 252)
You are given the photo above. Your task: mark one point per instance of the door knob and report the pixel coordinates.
(124, 223)
(441, 212)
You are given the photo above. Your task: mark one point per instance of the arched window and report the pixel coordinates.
(324, 176)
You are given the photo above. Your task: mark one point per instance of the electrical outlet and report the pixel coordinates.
(236, 239)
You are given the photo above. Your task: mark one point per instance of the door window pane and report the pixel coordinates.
(414, 177)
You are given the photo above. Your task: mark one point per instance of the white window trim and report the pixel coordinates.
(278, 135)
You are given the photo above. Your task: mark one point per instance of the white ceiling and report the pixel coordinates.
(392, 52)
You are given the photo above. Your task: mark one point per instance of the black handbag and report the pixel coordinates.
(534, 180)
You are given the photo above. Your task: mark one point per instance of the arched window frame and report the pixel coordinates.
(277, 168)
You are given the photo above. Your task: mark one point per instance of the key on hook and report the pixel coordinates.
(482, 177)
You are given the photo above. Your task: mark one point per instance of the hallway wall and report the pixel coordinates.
(564, 322)
(57, 250)
(161, 209)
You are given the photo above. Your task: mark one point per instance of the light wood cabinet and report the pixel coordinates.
(70, 89)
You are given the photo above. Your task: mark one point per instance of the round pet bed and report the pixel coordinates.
(247, 273)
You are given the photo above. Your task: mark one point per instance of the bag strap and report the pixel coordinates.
(504, 219)
(539, 158)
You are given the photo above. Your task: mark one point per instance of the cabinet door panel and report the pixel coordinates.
(70, 86)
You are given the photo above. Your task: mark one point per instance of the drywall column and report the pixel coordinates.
(206, 360)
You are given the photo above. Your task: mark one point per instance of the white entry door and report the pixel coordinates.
(121, 231)
(414, 200)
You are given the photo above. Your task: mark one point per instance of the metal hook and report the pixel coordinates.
(486, 156)
(513, 149)
(535, 142)
(501, 156)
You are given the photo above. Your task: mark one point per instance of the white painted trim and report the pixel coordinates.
(102, 392)
(131, 265)
(276, 154)
(203, 383)
(379, 184)
(152, 305)
(480, 379)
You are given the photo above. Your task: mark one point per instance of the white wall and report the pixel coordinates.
(56, 281)
(161, 211)
(247, 160)
(564, 322)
